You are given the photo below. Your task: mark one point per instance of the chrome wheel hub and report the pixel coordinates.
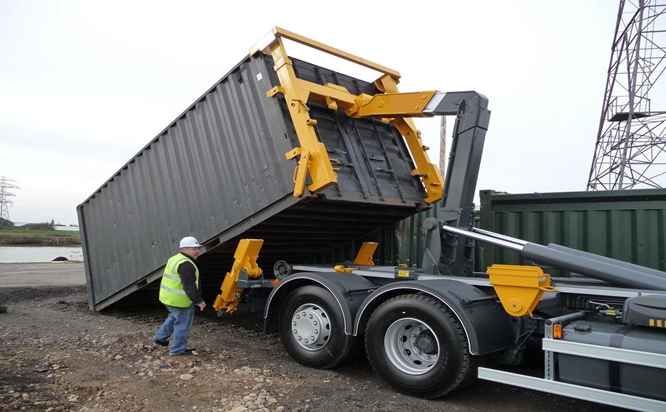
(411, 346)
(311, 327)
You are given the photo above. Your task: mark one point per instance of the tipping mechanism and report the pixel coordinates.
(391, 106)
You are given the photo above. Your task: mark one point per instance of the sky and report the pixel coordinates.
(84, 85)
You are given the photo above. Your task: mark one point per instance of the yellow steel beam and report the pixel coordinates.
(246, 256)
(392, 105)
(317, 161)
(279, 32)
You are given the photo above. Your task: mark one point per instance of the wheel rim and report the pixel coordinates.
(411, 346)
(311, 327)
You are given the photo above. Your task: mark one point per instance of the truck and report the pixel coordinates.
(434, 328)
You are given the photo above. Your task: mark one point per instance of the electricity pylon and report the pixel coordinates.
(631, 142)
(6, 184)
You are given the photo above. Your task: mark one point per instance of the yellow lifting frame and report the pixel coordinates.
(394, 106)
(246, 256)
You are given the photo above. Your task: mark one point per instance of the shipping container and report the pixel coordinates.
(219, 172)
(628, 225)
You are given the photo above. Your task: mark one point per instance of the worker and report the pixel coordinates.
(180, 293)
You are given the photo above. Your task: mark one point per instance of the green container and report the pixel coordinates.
(628, 225)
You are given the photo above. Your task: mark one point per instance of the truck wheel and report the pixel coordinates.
(312, 328)
(416, 345)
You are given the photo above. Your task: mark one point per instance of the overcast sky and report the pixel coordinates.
(85, 85)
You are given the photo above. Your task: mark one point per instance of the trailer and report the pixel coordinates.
(431, 329)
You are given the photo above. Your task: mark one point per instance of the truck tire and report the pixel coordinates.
(417, 346)
(312, 328)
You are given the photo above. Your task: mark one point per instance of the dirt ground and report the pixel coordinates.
(56, 355)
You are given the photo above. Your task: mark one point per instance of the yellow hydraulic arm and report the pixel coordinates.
(393, 106)
(245, 266)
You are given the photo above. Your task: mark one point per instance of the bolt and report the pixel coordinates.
(295, 331)
(303, 313)
(314, 323)
(298, 316)
(294, 323)
(310, 316)
(316, 331)
(306, 341)
(299, 338)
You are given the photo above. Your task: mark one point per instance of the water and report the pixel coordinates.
(23, 254)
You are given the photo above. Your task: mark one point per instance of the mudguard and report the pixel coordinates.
(486, 324)
(349, 290)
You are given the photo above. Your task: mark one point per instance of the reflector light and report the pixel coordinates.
(557, 331)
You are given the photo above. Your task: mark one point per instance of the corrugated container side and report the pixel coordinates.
(219, 173)
(628, 225)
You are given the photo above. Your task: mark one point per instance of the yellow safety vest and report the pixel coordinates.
(171, 289)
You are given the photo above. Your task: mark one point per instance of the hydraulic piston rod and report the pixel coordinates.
(598, 267)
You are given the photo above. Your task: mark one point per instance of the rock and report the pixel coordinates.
(239, 409)
(3, 309)
(186, 377)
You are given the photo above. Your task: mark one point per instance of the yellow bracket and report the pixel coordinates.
(520, 288)
(301, 170)
(392, 105)
(364, 256)
(343, 269)
(246, 256)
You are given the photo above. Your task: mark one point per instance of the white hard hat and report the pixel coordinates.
(189, 241)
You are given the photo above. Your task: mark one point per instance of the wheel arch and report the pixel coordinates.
(486, 325)
(348, 289)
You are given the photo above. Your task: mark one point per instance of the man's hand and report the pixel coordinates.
(201, 305)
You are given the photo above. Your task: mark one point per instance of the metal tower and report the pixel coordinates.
(5, 185)
(631, 142)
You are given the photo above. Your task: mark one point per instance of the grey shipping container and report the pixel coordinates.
(629, 225)
(219, 173)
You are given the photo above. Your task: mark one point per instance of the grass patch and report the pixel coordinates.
(36, 237)
(36, 232)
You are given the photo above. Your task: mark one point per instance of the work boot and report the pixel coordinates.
(186, 352)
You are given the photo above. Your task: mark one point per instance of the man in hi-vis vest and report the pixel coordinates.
(180, 292)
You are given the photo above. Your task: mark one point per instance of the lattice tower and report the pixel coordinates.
(630, 152)
(5, 185)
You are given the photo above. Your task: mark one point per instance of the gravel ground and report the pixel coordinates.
(56, 355)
